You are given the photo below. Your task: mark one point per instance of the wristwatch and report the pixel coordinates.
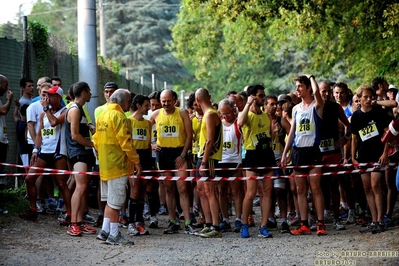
(46, 108)
(182, 155)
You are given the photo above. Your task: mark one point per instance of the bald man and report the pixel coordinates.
(174, 139)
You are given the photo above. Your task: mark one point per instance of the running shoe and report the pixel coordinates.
(153, 222)
(337, 225)
(271, 225)
(251, 221)
(237, 226)
(66, 221)
(368, 228)
(225, 226)
(245, 231)
(263, 232)
(200, 222)
(39, 206)
(99, 222)
(146, 217)
(51, 204)
(212, 234)
(141, 229)
(85, 229)
(388, 221)
(189, 229)
(351, 217)
(321, 229)
(132, 231)
(89, 218)
(378, 228)
(256, 201)
(294, 221)
(74, 230)
(162, 210)
(146, 208)
(29, 215)
(313, 226)
(60, 206)
(118, 240)
(102, 235)
(172, 229)
(302, 230)
(62, 216)
(204, 230)
(123, 221)
(284, 228)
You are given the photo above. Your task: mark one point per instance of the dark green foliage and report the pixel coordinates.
(39, 37)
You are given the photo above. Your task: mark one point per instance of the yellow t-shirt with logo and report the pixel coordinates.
(256, 131)
(196, 124)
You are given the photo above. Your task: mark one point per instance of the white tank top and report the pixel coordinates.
(307, 126)
(53, 138)
(231, 144)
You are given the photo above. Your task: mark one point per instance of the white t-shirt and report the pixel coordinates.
(33, 115)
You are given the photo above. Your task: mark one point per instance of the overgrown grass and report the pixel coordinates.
(13, 200)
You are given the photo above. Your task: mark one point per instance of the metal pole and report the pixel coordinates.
(103, 36)
(25, 60)
(87, 49)
(142, 84)
(165, 85)
(153, 82)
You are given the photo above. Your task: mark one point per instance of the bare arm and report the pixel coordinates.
(6, 107)
(319, 100)
(243, 115)
(15, 114)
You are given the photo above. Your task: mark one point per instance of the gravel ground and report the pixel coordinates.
(46, 243)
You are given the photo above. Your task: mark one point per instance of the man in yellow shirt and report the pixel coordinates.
(174, 139)
(116, 153)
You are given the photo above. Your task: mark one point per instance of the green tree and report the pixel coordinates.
(357, 38)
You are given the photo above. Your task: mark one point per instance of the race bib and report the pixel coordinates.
(259, 137)
(368, 132)
(140, 134)
(49, 133)
(326, 145)
(228, 145)
(304, 129)
(170, 131)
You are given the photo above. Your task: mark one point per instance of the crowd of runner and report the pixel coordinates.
(281, 140)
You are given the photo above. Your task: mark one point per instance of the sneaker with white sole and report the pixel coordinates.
(118, 240)
(89, 218)
(153, 222)
(337, 225)
(132, 231)
(102, 235)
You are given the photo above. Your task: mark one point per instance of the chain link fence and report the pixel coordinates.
(62, 63)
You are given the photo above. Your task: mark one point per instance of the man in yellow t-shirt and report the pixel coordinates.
(174, 139)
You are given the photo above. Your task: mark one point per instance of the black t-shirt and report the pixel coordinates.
(369, 128)
(329, 131)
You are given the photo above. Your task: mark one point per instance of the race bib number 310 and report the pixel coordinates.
(170, 131)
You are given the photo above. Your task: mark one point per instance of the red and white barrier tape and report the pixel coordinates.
(190, 178)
